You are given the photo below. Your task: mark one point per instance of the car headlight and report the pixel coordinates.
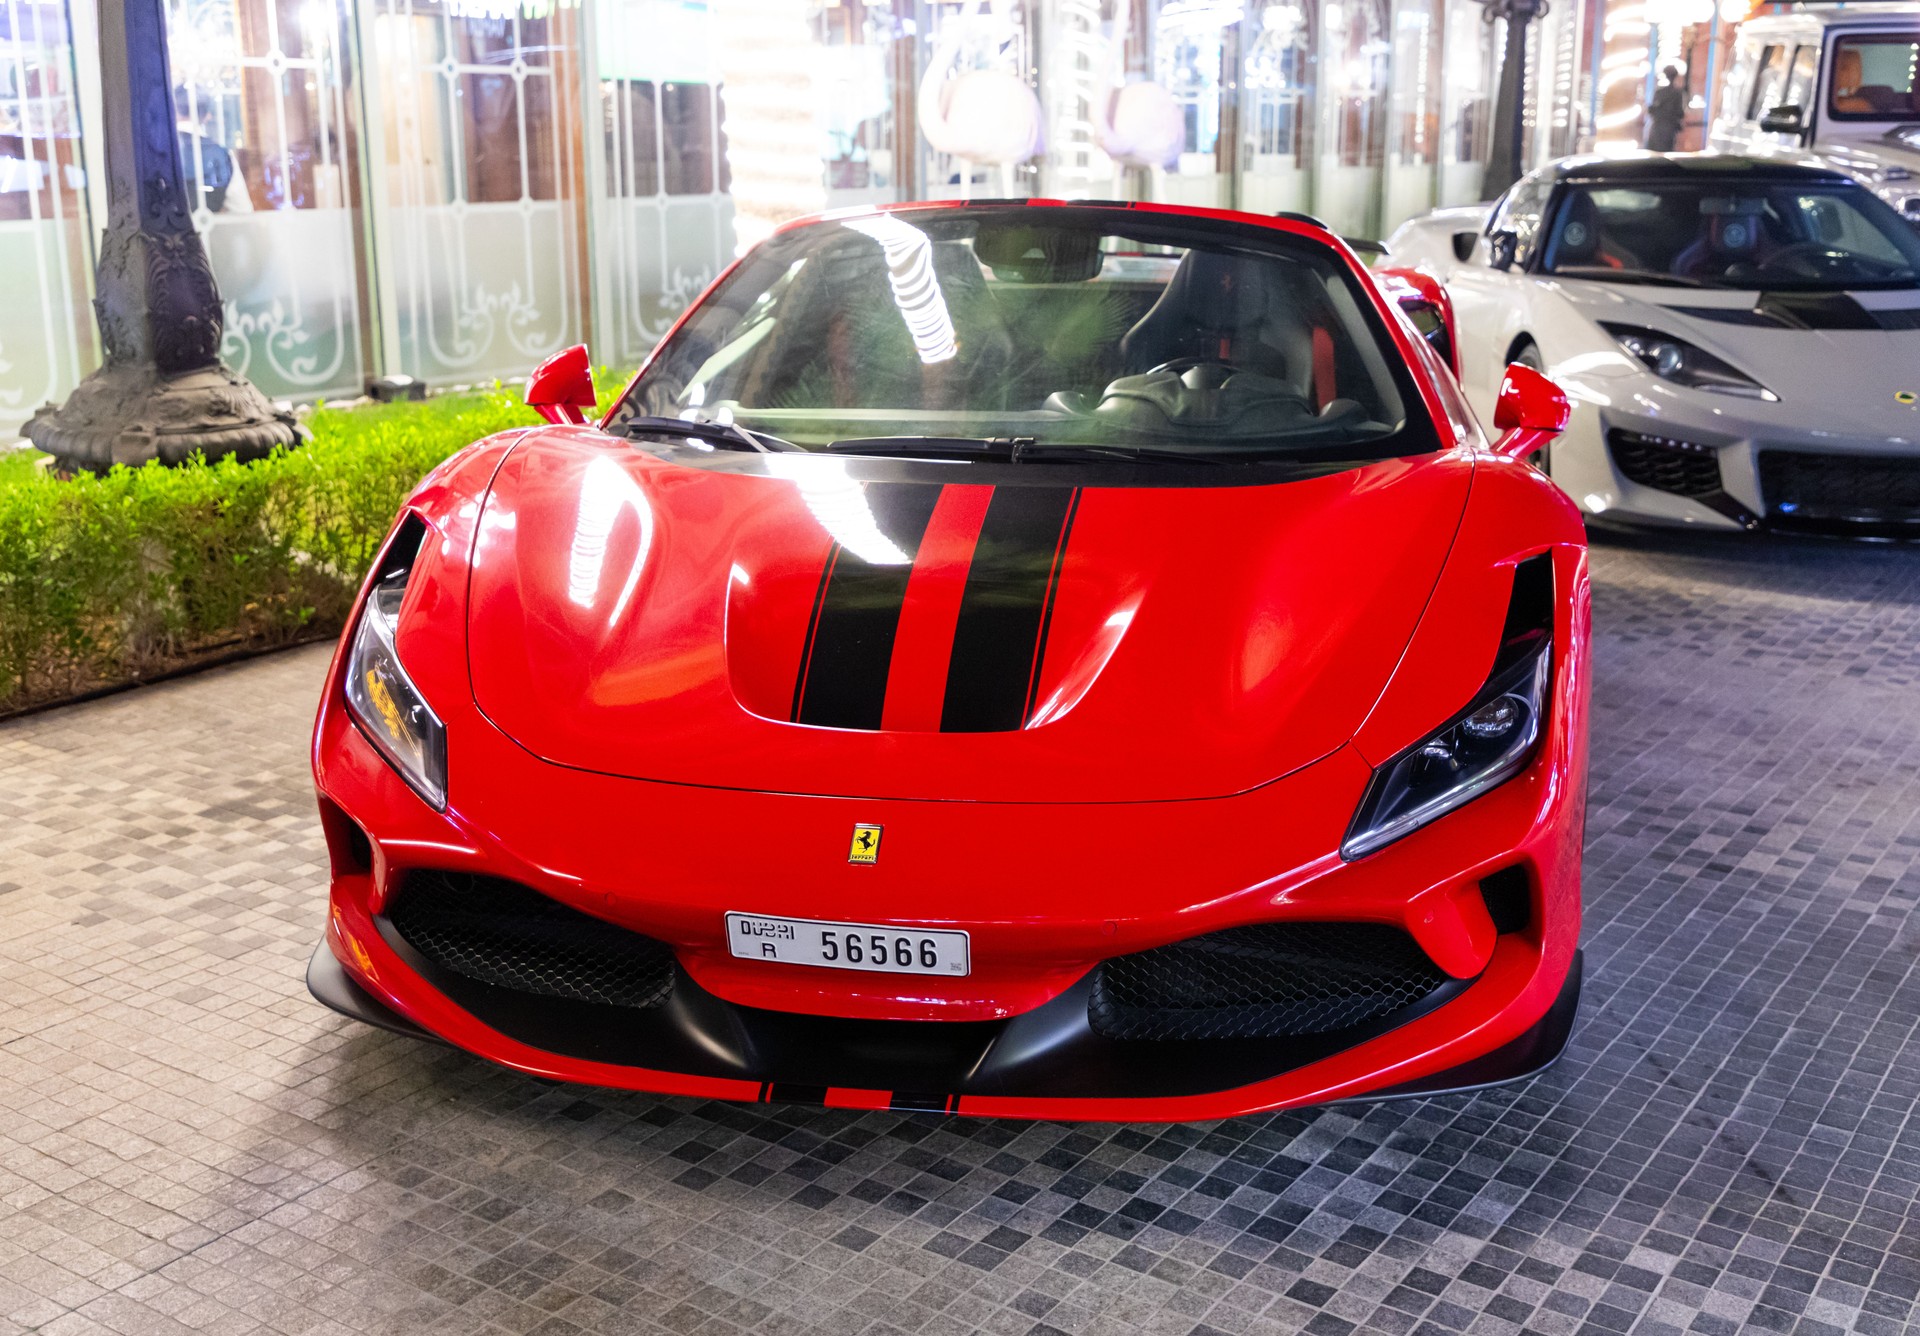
(1489, 742)
(380, 696)
(1682, 363)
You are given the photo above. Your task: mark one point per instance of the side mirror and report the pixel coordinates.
(1428, 306)
(1502, 247)
(1530, 411)
(1463, 243)
(561, 388)
(1783, 120)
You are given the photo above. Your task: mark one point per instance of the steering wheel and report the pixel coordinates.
(1806, 259)
(1179, 364)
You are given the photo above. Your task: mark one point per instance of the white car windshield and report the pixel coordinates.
(1050, 327)
(1785, 235)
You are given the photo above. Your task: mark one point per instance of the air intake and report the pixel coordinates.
(1263, 981)
(502, 933)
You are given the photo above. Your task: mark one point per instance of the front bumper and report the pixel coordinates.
(1013, 1039)
(1718, 471)
(824, 1061)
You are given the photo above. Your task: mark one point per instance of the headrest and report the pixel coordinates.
(1846, 70)
(1579, 237)
(1222, 293)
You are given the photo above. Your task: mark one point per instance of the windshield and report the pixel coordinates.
(1777, 235)
(1047, 326)
(1873, 78)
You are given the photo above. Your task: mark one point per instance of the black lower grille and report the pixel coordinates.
(1684, 468)
(1263, 981)
(503, 933)
(1844, 489)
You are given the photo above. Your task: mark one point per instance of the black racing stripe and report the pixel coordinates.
(813, 628)
(1046, 613)
(788, 1092)
(914, 1101)
(991, 671)
(843, 678)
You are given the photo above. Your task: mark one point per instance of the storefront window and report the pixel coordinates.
(46, 327)
(1278, 105)
(1194, 42)
(1466, 104)
(1353, 59)
(663, 226)
(260, 108)
(479, 240)
(859, 54)
(1413, 129)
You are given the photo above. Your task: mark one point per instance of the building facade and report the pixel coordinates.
(454, 189)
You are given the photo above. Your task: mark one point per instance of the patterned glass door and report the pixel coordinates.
(260, 102)
(477, 199)
(663, 222)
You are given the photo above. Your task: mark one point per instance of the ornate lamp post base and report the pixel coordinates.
(130, 413)
(163, 392)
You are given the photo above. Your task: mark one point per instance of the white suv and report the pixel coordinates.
(1840, 83)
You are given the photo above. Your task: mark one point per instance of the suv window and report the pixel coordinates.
(1800, 82)
(1771, 81)
(1873, 78)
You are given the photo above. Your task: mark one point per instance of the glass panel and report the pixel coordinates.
(1277, 106)
(1413, 129)
(854, 83)
(1800, 80)
(1466, 116)
(663, 225)
(261, 106)
(687, 137)
(480, 239)
(1194, 41)
(964, 38)
(1353, 115)
(1773, 77)
(46, 325)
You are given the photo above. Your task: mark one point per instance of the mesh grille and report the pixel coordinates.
(1681, 467)
(1261, 982)
(1852, 487)
(503, 933)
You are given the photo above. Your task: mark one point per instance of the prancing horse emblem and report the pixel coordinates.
(866, 844)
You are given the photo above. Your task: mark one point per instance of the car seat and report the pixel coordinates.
(1728, 239)
(1248, 311)
(1576, 240)
(1848, 96)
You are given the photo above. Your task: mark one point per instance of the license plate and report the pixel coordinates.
(847, 946)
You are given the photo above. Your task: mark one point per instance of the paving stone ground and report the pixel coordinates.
(188, 1143)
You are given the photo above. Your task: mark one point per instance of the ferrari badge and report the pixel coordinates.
(866, 844)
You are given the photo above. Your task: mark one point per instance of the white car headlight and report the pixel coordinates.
(381, 698)
(1675, 359)
(1484, 745)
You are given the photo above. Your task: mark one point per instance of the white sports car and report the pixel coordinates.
(1740, 338)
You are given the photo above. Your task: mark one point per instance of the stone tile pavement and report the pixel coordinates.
(189, 1144)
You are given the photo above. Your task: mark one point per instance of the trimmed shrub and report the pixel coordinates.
(113, 579)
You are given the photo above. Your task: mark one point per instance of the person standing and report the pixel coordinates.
(1667, 112)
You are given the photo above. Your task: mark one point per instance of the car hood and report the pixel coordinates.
(827, 625)
(1838, 361)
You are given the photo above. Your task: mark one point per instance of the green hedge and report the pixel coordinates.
(117, 578)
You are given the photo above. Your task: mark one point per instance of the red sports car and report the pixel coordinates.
(1012, 658)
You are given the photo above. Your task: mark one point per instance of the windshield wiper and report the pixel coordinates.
(1627, 275)
(1012, 449)
(719, 433)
